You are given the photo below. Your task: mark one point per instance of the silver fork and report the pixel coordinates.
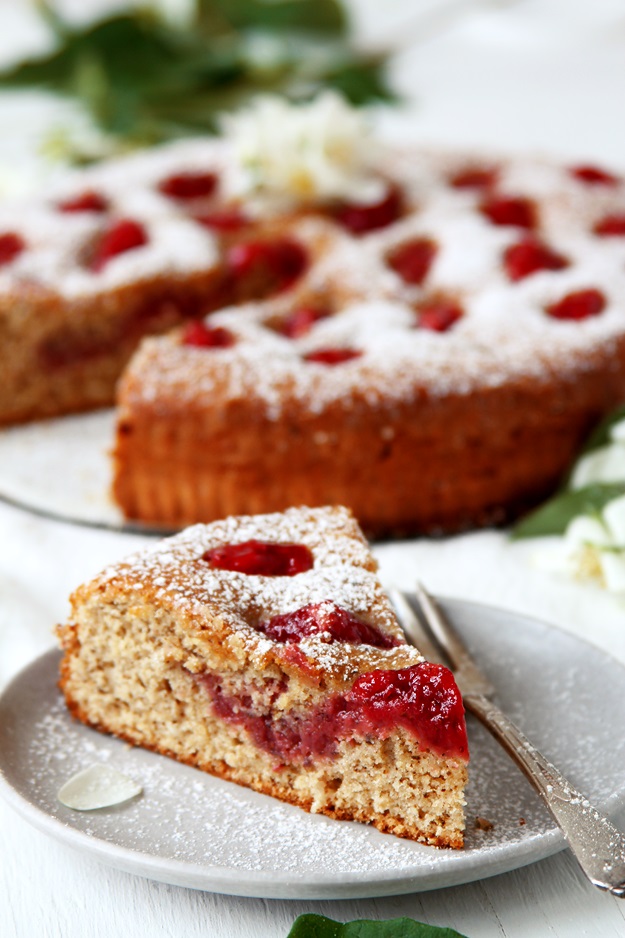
(598, 846)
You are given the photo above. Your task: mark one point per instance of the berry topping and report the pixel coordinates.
(123, 235)
(326, 617)
(413, 259)
(301, 321)
(332, 356)
(578, 305)
(510, 210)
(610, 226)
(225, 219)
(474, 177)
(593, 176)
(199, 334)
(11, 246)
(529, 256)
(423, 698)
(359, 219)
(271, 265)
(261, 559)
(185, 186)
(89, 201)
(439, 315)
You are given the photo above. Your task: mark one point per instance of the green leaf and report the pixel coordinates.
(318, 926)
(143, 83)
(360, 81)
(325, 17)
(554, 516)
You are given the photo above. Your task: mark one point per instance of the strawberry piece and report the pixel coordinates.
(413, 259)
(529, 256)
(259, 558)
(273, 265)
(301, 321)
(474, 177)
(510, 210)
(332, 356)
(226, 219)
(594, 175)
(185, 186)
(197, 333)
(317, 618)
(11, 246)
(424, 698)
(580, 304)
(439, 316)
(610, 226)
(89, 201)
(359, 218)
(122, 236)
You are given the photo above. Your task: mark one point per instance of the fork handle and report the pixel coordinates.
(598, 846)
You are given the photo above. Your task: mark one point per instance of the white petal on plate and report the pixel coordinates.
(613, 569)
(99, 786)
(614, 516)
(606, 464)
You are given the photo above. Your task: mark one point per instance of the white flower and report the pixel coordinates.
(299, 153)
(594, 547)
(605, 464)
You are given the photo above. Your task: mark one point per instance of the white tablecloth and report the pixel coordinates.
(544, 75)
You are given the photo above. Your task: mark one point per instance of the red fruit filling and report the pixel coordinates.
(317, 618)
(269, 265)
(359, 219)
(261, 559)
(529, 256)
(301, 321)
(89, 201)
(332, 356)
(423, 699)
(610, 226)
(578, 305)
(510, 210)
(199, 334)
(413, 259)
(593, 176)
(226, 219)
(124, 235)
(11, 246)
(185, 186)
(474, 177)
(439, 316)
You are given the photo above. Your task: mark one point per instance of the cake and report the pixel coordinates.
(263, 649)
(426, 337)
(435, 370)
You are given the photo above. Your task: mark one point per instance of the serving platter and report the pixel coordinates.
(188, 828)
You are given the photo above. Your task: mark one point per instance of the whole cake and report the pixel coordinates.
(435, 368)
(263, 650)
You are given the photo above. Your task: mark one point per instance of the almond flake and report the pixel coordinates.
(98, 786)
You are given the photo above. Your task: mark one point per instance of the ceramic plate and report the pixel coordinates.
(62, 469)
(190, 829)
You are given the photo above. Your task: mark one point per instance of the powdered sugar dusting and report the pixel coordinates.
(174, 575)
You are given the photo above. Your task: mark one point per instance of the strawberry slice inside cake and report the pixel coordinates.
(263, 649)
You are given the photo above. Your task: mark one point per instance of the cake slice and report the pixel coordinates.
(263, 649)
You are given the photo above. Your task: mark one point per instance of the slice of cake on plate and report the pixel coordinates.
(263, 649)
